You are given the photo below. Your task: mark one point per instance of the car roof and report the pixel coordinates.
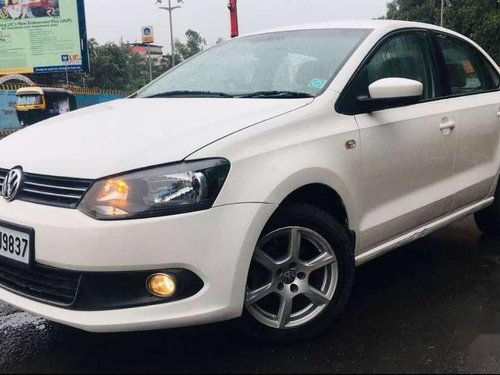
(379, 29)
(382, 26)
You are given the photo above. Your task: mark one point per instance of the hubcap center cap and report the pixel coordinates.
(289, 277)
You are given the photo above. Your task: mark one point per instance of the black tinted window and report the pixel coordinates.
(467, 68)
(404, 55)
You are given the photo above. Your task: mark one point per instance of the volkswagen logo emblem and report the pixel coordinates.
(289, 277)
(12, 183)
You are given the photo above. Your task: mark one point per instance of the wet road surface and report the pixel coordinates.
(427, 307)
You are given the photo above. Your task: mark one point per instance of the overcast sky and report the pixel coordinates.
(108, 20)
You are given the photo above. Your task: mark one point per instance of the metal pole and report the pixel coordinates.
(67, 75)
(170, 9)
(171, 33)
(442, 13)
(150, 65)
(233, 9)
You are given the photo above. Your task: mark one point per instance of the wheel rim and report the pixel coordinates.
(292, 279)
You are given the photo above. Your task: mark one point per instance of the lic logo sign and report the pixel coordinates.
(70, 59)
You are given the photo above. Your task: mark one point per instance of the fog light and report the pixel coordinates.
(161, 285)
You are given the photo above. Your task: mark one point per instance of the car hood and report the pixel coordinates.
(130, 134)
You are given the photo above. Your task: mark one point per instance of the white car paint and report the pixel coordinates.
(395, 88)
(160, 130)
(414, 169)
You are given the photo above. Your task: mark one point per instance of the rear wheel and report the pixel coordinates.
(300, 277)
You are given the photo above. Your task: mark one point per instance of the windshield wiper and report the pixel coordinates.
(277, 94)
(187, 94)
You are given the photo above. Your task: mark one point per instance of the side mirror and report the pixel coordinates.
(391, 93)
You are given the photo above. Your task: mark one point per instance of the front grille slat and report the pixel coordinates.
(77, 197)
(52, 191)
(41, 283)
(54, 187)
(67, 286)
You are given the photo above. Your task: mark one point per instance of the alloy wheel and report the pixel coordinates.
(293, 277)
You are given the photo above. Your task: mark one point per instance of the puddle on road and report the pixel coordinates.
(20, 320)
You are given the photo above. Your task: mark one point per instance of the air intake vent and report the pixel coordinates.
(42, 283)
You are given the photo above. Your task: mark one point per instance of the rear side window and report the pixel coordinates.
(495, 76)
(467, 68)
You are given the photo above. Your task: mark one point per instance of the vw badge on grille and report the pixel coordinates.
(12, 183)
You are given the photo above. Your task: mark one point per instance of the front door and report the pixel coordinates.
(407, 152)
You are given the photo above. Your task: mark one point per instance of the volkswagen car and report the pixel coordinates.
(250, 181)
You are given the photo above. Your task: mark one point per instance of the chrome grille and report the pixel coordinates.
(49, 190)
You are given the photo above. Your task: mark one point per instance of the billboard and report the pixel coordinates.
(42, 36)
(147, 34)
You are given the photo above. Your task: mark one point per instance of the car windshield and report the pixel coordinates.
(289, 64)
(29, 100)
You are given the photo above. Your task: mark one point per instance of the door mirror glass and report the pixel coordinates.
(391, 92)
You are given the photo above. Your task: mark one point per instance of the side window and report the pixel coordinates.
(404, 55)
(495, 76)
(467, 69)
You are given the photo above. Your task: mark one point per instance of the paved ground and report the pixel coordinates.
(427, 307)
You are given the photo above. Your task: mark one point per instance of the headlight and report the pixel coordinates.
(159, 191)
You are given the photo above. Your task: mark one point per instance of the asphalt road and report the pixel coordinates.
(427, 307)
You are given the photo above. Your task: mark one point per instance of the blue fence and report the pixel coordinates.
(8, 117)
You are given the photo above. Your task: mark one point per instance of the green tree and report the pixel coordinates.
(476, 19)
(116, 66)
(195, 43)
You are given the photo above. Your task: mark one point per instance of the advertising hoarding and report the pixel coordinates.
(42, 36)
(147, 34)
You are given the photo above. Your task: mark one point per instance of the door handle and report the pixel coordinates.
(447, 127)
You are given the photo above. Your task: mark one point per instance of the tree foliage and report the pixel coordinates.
(476, 19)
(194, 44)
(116, 66)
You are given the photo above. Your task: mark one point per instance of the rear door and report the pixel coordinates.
(474, 92)
(407, 152)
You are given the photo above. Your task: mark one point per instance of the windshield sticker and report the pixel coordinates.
(317, 83)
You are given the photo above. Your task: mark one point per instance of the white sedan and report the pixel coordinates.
(249, 181)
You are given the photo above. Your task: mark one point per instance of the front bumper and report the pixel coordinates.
(216, 245)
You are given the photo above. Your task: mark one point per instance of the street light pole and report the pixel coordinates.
(170, 9)
(444, 3)
(150, 63)
(442, 13)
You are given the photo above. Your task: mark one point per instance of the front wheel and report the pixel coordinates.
(301, 275)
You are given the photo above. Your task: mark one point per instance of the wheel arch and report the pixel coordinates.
(321, 188)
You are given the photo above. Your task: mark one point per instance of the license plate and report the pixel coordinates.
(15, 243)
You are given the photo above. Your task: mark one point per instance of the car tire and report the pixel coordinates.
(317, 295)
(488, 219)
